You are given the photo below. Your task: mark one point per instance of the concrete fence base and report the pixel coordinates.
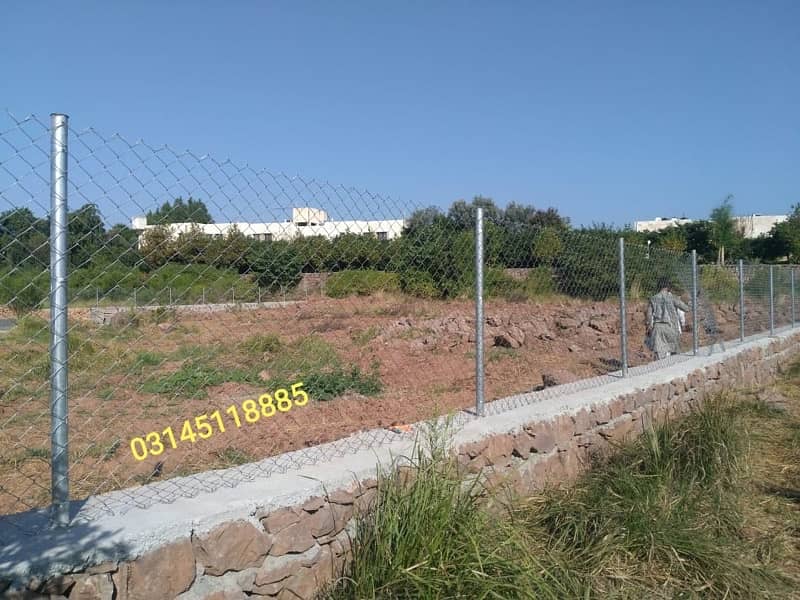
(287, 536)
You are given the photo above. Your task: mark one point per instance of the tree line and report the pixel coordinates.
(433, 257)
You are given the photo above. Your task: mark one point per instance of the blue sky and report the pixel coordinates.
(609, 111)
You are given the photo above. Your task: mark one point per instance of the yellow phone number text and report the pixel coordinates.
(152, 444)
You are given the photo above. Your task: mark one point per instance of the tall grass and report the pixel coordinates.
(428, 537)
(659, 519)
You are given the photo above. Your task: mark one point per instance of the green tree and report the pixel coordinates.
(122, 245)
(180, 211)
(673, 238)
(698, 237)
(784, 239)
(230, 250)
(723, 228)
(422, 217)
(462, 214)
(193, 246)
(157, 247)
(24, 239)
(520, 214)
(87, 235)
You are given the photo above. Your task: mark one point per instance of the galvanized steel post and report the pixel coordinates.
(771, 302)
(694, 303)
(741, 300)
(791, 286)
(623, 321)
(479, 375)
(59, 256)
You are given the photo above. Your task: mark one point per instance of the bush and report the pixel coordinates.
(588, 265)
(330, 385)
(719, 284)
(419, 284)
(361, 283)
(190, 283)
(262, 344)
(276, 265)
(113, 281)
(539, 282)
(24, 290)
(497, 283)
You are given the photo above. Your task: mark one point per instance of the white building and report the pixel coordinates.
(751, 226)
(306, 222)
(659, 223)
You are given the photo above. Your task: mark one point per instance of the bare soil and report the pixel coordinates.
(422, 350)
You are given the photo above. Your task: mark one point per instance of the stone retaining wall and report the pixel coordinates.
(289, 536)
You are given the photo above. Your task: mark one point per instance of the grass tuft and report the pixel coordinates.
(664, 517)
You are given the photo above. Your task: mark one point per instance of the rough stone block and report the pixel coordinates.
(280, 519)
(617, 407)
(341, 496)
(292, 540)
(62, 584)
(232, 547)
(321, 522)
(227, 595)
(366, 500)
(323, 569)
(618, 430)
(601, 414)
(104, 567)
(582, 420)
(474, 449)
(523, 444)
(276, 569)
(92, 587)
(301, 585)
(544, 440)
(314, 503)
(498, 449)
(163, 573)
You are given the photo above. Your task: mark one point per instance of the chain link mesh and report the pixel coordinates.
(197, 285)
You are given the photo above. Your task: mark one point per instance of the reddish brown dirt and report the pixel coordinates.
(423, 349)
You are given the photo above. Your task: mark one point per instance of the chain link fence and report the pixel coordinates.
(223, 316)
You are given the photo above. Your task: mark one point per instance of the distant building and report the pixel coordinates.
(659, 223)
(751, 226)
(306, 222)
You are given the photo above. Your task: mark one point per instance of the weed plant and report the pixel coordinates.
(661, 518)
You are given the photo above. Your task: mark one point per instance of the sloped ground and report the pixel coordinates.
(422, 352)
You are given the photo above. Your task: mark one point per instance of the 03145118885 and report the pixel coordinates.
(153, 444)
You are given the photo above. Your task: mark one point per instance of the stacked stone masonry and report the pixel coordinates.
(292, 552)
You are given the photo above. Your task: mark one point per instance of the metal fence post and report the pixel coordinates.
(134, 297)
(233, 295)
(694, 303)
(623, 320)
(791, 286)
(259, 294)
(479, 380)
(741, 300)
(59, 256)
(771, 302)
(170, 296)
(204, 295)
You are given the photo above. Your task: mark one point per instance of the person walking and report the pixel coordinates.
(663, 321)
